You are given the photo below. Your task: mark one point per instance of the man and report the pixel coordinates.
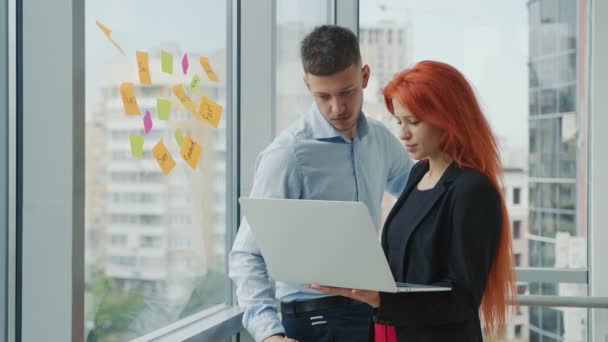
(333, 153)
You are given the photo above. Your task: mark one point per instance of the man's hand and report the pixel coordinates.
(370, 297)
(279, 338)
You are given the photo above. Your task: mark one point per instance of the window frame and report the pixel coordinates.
(597, 103)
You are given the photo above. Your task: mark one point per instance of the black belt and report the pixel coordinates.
(323, 303)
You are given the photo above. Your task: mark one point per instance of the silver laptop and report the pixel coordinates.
(330, 243)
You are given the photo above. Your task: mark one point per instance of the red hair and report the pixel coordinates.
(439, 95)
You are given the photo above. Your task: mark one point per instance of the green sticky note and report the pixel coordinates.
(194, 83)
(179, 137)
(166, 61)
(137, 145)
(162, 109)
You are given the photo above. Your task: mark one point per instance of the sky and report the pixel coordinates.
(486, 39)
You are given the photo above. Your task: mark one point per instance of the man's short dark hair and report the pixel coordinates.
(329, 49)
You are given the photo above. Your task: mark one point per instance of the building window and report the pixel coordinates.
(516, 195)
(150, 241)
(517, 330)
(118, 240)
(517, 259)
(516, 229)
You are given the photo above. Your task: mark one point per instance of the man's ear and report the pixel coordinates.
(365, 73)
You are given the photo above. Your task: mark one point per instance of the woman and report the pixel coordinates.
(450, 224)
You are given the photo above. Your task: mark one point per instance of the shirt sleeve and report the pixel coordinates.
(400, 165)
(277, 176)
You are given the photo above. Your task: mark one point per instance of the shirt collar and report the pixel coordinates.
(322, 129)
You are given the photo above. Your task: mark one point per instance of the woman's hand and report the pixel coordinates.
(370, 297)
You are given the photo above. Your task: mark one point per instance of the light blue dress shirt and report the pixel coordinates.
(312, 160)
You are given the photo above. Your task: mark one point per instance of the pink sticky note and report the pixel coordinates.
(147, 122)
(185, 63)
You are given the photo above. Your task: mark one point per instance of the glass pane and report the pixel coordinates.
(155, 243)
(295, 19)
(522, 58)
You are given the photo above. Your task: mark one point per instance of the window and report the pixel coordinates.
(516, 193)
(131, 195)
(150, 241)
(119, 240)
(516, 229)
(294, 20)
(517, 331)
(517, 259)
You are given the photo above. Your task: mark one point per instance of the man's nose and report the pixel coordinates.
(337, 107)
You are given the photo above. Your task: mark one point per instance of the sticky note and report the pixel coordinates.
(163, 157)
(178, 90)
(185, 63)
(137, 145)
(147, 122)
(209, 111)
(190, 151)
(210, 73)
(107, 32)
(194, 83)
(116, 45)
(128, 99)
(166, 61)
(179, 137)
(143, 67)
(162, 109)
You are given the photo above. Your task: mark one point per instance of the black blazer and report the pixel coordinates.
(453, 243)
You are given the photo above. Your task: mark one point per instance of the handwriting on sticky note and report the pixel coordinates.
(185, 63)
(166, 61)
(190, 151)
(163, 157)
(107, 32)
(137, 144)
(194, 83)
(162, 109)
(143, 67)
(128, 99)
(179, 92)
(208, 69)
(147, 122)
(179, 137)
(209, 111)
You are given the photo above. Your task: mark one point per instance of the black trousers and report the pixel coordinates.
(344, 324)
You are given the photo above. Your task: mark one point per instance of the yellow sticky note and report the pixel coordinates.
(190, 151)
(208, 69)
(194, 83)
(209, 111)
(178, 90)
(163, 157)
(128, 99)
(143, 67)
(105, 30)
(137, 144)
(166, 61)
